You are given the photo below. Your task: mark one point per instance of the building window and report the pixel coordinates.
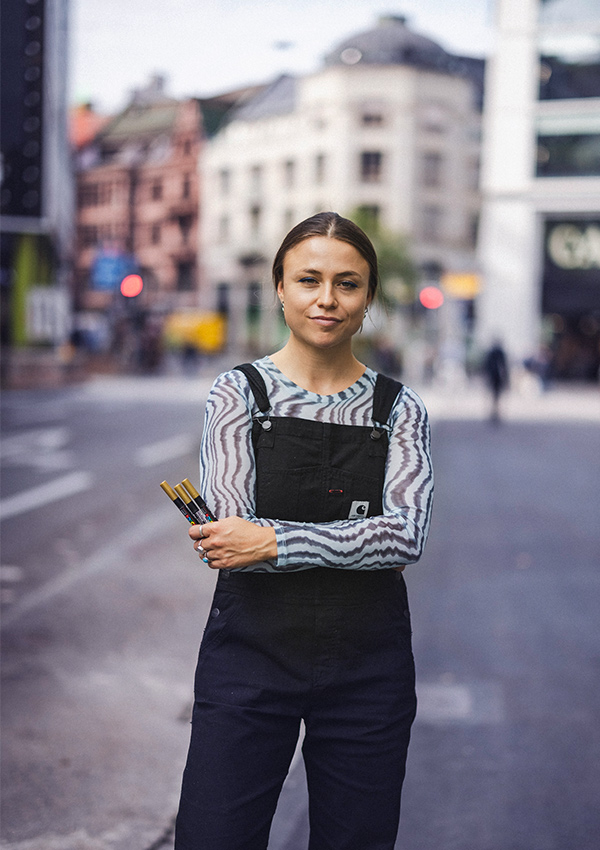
(569, 155)
(431, 224)
(565, 77)
(224, 181)
(473, 170)
(156, 191)
(473, 229)
(185, 225)
(223, 292)
(371, 117)
(155, 234)
(371, 163)
(256, 174)
(185, 276)
(320, 165)
(89, 195)
(434, 118)
(289, 173)
(187, 186)
(431, 169)
(255, 220)
(105, 232)
(187, 147)
(89, 235)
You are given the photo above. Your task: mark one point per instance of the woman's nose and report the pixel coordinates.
(327, 295)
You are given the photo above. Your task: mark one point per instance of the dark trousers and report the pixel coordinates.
(331, 647)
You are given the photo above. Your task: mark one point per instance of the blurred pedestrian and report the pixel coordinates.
(321, 472)
(495, 367)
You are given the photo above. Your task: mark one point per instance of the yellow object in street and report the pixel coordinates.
(465, 285)
(203, 330)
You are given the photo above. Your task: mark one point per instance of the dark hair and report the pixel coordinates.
(332, 225)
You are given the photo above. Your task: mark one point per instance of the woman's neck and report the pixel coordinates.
(321, 371)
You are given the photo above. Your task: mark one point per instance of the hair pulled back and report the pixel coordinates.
(333, 226)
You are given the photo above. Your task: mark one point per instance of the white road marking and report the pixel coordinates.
(470, 703)
(37, 497)
(116, 551)
(172, 447)
(40, 448)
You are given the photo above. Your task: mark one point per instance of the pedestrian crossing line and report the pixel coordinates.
(172, 447)
(37, 497)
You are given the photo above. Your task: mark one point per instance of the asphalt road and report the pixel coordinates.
(103, 607)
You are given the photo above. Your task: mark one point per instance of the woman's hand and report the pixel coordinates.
(233, 542)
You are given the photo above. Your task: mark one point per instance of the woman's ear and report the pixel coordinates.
(280, 291)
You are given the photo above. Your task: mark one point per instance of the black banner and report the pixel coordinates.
(571, 284)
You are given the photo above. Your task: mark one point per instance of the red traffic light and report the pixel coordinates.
(131, 285)
(431, 297)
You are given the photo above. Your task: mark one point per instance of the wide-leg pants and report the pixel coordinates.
(331, 647)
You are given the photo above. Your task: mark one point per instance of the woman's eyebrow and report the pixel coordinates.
(338, 274)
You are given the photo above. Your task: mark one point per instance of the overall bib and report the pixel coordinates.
(331, 647)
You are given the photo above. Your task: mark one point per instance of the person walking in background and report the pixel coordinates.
(320, 472)
(495, 367)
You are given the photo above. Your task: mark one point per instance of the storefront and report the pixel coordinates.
(571, 296)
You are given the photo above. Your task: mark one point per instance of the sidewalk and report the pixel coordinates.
(524, 403)
(467, 400)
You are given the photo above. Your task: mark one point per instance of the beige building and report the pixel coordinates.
(390, 124)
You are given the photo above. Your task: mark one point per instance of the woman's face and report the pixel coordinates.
(325, 289)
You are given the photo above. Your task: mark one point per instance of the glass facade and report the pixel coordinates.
(569, 48)
(574, 155)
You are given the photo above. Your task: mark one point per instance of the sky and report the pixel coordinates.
(206, 47)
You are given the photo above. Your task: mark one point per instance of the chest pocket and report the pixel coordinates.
(308, 471)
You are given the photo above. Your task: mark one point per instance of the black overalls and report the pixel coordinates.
(331, 647)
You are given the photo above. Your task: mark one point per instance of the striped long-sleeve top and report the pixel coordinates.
(228, 472)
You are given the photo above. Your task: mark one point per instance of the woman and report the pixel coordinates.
(321, 473)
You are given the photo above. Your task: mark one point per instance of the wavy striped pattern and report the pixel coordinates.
(227, 472)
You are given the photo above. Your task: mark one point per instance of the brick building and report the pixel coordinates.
(137, 197)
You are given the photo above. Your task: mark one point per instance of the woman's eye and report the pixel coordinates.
(348, 284)
(307, 280)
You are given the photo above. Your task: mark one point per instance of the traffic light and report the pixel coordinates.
(431, 297)
(131, 285)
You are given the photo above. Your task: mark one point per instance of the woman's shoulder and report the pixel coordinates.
(230, 384)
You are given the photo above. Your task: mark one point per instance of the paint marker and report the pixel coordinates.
(179, 503)
(191, 506)
(202, 506)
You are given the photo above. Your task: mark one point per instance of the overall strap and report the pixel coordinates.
(257, 385)
(384, 396)
(259, 391)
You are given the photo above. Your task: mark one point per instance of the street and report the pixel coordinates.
(104, 603)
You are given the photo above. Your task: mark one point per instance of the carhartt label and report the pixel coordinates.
(358, 510)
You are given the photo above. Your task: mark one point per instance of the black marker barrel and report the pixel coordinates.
(190, 504)
(198, 500)
(179, 503)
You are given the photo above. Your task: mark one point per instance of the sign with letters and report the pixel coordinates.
(571, 284)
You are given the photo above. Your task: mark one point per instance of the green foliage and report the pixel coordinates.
(397, 270)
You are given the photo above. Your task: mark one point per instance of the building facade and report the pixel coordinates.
(390, 125)
(138, 203)
(540, 225)
(37, 188)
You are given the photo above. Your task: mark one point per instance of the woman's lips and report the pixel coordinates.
(325, 321)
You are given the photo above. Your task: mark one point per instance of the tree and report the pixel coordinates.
(397, 270)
